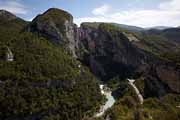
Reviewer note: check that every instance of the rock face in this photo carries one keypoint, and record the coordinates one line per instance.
(169, 75)
(7, 15)
(161, 79)
(57, 26)
(108, 52)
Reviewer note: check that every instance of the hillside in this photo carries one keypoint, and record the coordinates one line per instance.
(43, 79)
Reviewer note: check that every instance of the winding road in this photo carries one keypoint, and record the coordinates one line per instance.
(140, 97)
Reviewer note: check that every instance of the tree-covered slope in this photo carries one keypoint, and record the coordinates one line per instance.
(43, 81)
(160, 43)
(127, 108)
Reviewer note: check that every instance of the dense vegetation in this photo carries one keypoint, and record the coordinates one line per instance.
(160, 46)
(127, 106)
(43, 82)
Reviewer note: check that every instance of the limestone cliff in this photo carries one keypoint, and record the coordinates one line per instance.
(57, 26)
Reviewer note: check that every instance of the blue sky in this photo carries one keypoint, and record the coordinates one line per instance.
(144, 13)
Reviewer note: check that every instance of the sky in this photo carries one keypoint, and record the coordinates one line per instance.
(142, 13)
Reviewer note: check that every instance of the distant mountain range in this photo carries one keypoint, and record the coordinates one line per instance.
(131, 27)
(135, 28)
(160, 27)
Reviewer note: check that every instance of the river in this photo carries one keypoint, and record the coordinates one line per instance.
(109, 103)
(111, 100)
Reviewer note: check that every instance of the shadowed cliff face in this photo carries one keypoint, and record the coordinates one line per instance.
(162, 78)
(169, 75)
(109, 52)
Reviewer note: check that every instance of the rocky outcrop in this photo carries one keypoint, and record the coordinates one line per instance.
(169, 75)
(161, 79)
(57, 26)
(5, 15)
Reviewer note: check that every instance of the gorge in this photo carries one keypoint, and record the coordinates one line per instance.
(57, 67)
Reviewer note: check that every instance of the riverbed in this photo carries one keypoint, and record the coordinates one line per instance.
(111, 100)
(109, 103)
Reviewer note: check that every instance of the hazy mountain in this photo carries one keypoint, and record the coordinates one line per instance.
(129, 27)
(123, 26)
(160, 27)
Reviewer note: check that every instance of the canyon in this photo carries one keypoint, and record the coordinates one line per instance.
(65, 64)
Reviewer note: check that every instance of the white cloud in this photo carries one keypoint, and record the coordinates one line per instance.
(13, 6)
(167, 14)
(30, 19)
(170, 5)
(102, 10)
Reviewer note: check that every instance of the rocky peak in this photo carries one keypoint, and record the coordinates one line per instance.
(7, 16)
(58, 13)
(57, 26)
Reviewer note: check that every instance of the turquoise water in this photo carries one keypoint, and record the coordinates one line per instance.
(109, 103)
